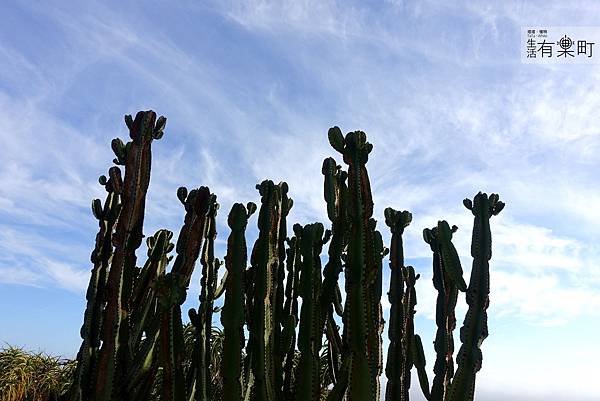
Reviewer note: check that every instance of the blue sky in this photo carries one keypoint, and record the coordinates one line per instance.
(250, 89)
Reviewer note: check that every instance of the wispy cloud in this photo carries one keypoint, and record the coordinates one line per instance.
(35, 260)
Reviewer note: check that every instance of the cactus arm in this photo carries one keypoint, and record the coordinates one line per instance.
(143, 297)
(475, 330)
(90, 330)
(338, 391)
(334, 348)
(419, 360)
(144, 360)
(191, 234)
(449, 255)
(221, 288)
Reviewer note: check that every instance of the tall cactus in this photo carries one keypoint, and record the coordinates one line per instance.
(279, 275)
(363, 381)
(146, 315)
(265, 261)
(140, 325)
(447, 280)
(336, 197)
(375, 312)
(311, 330)
(136, 157)
(90, 331)
(202, 320)
(200, 206)
(293, 266)
(232, 314)
(475, 328)
(398, 380)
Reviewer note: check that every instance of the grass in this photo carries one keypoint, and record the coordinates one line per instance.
(33, 376)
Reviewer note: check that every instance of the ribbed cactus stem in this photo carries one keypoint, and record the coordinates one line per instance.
(171, 290)
(144, 314)
(409, 303)
(203, 319)
(232, 315)
(375, 312)
(396, 388)
(90, 330)
(264, 260)
(192, 233)
(136, 156)
(475, 329)
(200, 207)
(279, 319)
(336, 196)
(293, 265)
(334, 348)
(310, 334)
(143, 296)
(447, 280)
(363, 383)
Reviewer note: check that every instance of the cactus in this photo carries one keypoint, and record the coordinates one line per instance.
(145, 316)
(475, 329)
(363, 381)
(447, 280)
(171, 290)
(375, 313)
(113, 355)
(279, 275)
(398, 379)
(311, 331)
(265, 261)
(140, 323)
(293, 265)
(202, 320)
(135, 346)
(232, 315)
(90, 331)
(336, 197)
(199, 205)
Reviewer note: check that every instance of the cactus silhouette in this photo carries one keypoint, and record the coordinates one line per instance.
(289, 331)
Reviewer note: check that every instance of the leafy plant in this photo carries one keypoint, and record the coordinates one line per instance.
(33, 376)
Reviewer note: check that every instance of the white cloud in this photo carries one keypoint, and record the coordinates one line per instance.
(18, 275)
(542, 299)
(306, 16)
(67, 276)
